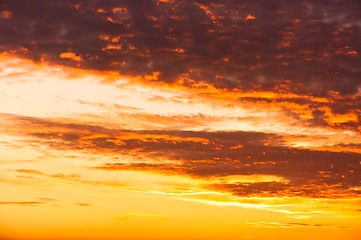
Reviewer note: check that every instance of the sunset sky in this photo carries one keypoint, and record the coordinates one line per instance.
(180, 119)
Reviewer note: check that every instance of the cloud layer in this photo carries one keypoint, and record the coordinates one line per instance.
(305, 48)
(209, 155)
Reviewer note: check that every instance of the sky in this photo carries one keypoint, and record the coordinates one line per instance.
(180, 119)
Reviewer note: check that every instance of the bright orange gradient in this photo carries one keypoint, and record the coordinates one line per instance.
(176, 119)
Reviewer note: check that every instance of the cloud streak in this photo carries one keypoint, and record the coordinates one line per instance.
(290, 225)
(209, 155)
(22, 203)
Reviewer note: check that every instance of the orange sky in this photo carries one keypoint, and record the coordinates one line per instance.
(179, 120)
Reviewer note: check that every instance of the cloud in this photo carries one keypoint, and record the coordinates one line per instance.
(70, 55)
(207, 155)
(28, 203)
(57, 175)
(30, 171)
(84, 204)
(22, 203)
(288, 225)
(302, 48)
(69, 177)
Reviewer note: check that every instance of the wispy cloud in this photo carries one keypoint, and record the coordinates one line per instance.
(289, 225)
(22, 203)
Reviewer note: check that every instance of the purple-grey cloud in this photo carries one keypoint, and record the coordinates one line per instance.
(304, 47)
(307, 47)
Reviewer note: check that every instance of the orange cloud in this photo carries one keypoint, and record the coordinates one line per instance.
(5, 14)
(30, 171)
(70, 55)
(335, 118)
(112, 47)
(250, 17)
(84, 204)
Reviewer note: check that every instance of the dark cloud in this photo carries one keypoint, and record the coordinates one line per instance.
(307, 47)
(210, 155)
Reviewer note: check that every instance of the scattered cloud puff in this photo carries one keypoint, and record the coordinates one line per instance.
(84, 204)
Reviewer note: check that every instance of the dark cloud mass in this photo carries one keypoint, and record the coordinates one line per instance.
(307, 47)
(208, 155)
